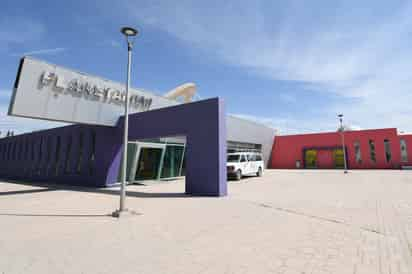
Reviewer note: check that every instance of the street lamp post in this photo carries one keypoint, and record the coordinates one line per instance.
(129, 33)
(343, 143)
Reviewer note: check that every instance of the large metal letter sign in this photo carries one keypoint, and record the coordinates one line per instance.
(50, 92)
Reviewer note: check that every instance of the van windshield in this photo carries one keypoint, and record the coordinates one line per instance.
(233, 158)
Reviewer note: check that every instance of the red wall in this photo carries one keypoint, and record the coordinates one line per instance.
(288, 149)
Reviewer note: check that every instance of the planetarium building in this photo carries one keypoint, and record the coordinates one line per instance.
(169, 136)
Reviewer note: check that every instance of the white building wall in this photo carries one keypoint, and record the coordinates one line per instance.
(242, 130)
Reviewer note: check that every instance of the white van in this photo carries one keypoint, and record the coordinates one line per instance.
(244, 163)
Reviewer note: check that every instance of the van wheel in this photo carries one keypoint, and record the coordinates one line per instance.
(260, 172)
(238, 175)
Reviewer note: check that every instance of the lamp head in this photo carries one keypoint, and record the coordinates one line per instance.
(128, 31)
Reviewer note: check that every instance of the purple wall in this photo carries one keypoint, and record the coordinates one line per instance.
(33, 156)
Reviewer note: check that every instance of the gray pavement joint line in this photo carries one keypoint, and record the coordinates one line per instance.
(294, 212)
(406, 248)
(380, 226)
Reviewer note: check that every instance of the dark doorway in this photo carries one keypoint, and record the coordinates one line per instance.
(149, 163)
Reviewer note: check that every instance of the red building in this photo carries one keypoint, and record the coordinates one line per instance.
(365, 149)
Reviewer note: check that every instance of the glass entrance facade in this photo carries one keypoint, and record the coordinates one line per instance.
(148, 163)
(154, 160)
(164, 158)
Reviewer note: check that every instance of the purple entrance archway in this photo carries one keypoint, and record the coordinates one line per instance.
(90, 155)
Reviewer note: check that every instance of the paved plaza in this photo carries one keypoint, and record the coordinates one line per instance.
(286, 222)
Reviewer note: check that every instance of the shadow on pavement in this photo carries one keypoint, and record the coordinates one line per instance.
(110, 190)
(54, 215)
(27, 191)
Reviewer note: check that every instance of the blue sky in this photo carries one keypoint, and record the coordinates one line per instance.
(291, 64)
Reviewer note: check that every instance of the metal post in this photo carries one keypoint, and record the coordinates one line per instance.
(126, 129)
(122, 208)
(343, 146)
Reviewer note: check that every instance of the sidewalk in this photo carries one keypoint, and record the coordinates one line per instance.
(286, 222)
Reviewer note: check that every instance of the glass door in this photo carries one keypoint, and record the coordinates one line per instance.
(311, 158)
(172, 162)
(338, 157)
(149, 161)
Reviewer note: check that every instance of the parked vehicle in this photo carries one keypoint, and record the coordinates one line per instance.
(244, 163)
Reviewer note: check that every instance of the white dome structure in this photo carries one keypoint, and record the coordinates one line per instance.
(187, 91)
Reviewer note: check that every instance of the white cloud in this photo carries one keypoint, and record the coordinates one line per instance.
(49, 51)
(363, 56)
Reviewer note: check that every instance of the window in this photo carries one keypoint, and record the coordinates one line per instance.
(387, 146)
(21, 149)
(9, 151)
(68, 151)
(26, 152)
(404, 151)
(41, 149)
(18, 149)
(243, 159)
(32, 150)
(358, 156)
(258, 157)
(57, 156)
(13, 152)
(92, 152)
(48, 152)
(233, 158)
(40, 155)
(372, 151)
(23, 152)
(80, 156)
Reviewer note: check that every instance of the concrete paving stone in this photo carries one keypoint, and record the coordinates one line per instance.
(289, 221)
